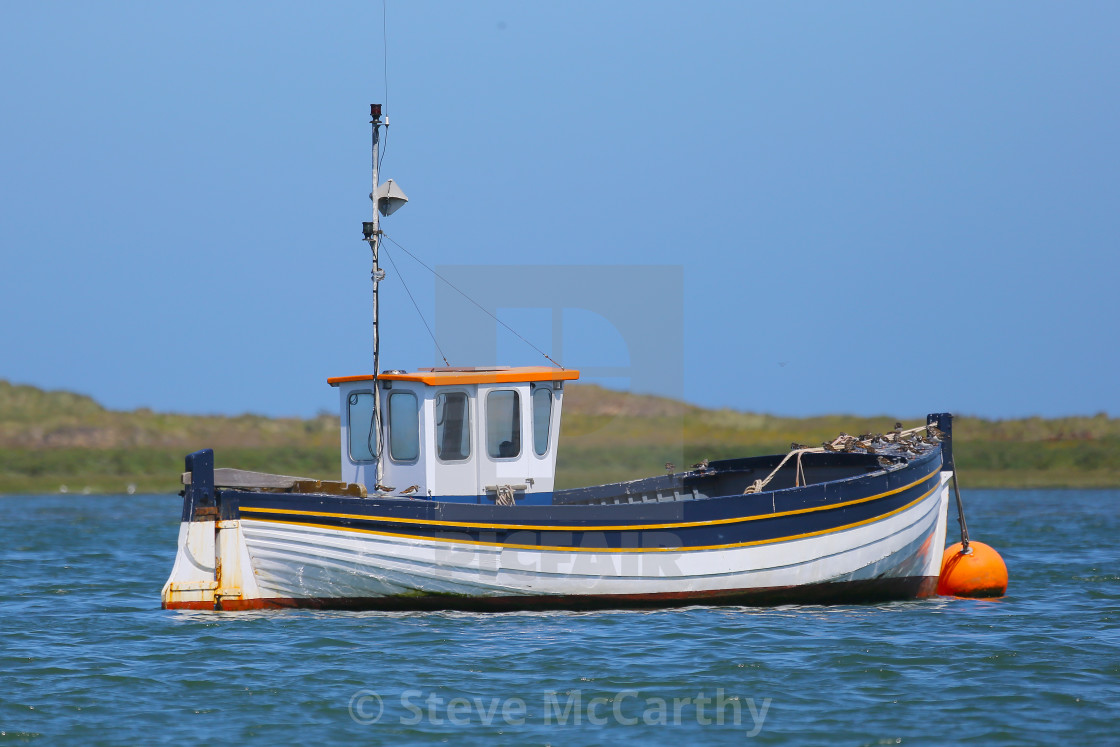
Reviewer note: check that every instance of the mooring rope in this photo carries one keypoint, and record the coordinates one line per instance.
(965, 549)
(758, 485)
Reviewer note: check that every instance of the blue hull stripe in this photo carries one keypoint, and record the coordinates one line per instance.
(712, 523)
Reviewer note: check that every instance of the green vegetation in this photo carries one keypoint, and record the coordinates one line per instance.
(54, 439)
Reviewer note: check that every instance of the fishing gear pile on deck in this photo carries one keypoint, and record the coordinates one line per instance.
(907, 441)
(904, 440)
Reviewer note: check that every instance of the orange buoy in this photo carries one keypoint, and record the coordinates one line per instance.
(979, 573)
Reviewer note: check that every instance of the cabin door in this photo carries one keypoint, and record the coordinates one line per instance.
(502, 430)
(456, 442)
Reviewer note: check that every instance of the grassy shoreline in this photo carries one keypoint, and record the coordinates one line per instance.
(53, 439)
(157, 471)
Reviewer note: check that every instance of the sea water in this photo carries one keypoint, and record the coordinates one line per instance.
(87, 655)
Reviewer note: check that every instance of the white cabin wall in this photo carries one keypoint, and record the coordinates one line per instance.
(348, 471)
(428, 440)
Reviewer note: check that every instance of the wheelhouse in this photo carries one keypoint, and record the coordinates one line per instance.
(474, 435)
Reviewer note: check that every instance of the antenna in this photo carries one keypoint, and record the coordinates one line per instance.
(387, 198)
(371, 231)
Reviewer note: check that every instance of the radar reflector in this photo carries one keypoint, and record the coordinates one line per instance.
(390, 197)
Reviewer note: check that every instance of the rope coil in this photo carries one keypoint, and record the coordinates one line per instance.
(505, 496)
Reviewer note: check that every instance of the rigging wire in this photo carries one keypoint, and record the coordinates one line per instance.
(384, 146)
(417, 307)
(476, 303)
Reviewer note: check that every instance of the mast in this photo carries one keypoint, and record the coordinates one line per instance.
(371, 231)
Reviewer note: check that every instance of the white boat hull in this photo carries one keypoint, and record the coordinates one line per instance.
(272, 563)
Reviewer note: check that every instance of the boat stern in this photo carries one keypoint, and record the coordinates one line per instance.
(212, 567)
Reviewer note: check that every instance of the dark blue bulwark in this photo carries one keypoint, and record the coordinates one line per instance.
(200, 493)
(944, 422)
(728, 520)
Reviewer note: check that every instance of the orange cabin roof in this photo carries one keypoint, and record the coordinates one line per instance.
(446, 376)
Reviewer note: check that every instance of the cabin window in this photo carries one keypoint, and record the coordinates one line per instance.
(453, 426)
(542, 418)
(503, 424)
(404, 426)
(363, 436)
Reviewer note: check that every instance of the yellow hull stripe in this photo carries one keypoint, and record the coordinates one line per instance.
(591, 528)
(560, 548)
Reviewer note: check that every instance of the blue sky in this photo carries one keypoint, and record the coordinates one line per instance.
(874, 208)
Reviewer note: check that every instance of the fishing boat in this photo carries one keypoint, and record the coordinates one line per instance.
(447, 500)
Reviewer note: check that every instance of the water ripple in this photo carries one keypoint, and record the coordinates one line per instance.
(88, 656)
